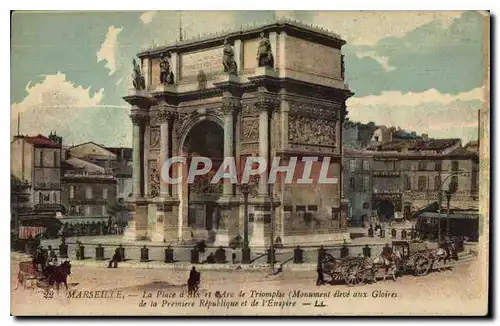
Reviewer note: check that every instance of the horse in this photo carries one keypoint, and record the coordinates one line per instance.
(57, 274)
(444, 253)
(388, 262)
(193, 284)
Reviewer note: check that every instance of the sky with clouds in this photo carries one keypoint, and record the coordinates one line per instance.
(422, 71)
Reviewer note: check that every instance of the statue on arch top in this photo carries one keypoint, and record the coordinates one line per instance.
(166, 75)
(264, 54)
(137, 77)
(228, 60)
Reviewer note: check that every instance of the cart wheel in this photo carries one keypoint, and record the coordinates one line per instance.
(355, 275)
(422, 265)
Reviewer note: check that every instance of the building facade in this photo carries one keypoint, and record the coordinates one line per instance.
(96, 179)
(36, 162)
(358, 185)
(267, 91)
(410, 174)
(89, 191)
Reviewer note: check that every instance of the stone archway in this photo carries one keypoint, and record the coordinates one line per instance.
(203, 138)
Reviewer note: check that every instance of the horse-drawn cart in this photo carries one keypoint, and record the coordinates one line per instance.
(28, 274)
(350, 269)
(415, 257)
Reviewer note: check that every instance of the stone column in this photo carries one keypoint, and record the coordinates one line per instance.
(273, 39)
(228, 107)
(263, 107)
(165, 117)
(282, 54)
(174, 63)
(137, 120)
(238, 54)
(146, 64)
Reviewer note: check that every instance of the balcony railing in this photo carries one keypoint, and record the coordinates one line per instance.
(51, 206)
(92, 175)
(48, 185)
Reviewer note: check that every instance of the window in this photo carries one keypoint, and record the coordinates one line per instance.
(454, 166)
(55, 159)
(422, 165)
(88, 192)
(312, 208)
(366, 205)
(104, 210)
(54, 197)
(300, 208)
(105, 193)
(437, 182)
(40, 198)
(41, 157)
(71, 192)
(288, 208)
(366, 183)
(422, 183)
(352, 184)
(352, 165)
(437, 166)
(366, 165)
(88, 210)
(407, 182)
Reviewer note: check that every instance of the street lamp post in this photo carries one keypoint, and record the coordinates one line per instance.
(245, 190)
(448, 198)
(272, 230)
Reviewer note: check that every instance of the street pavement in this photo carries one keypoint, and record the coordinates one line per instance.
(459, 291)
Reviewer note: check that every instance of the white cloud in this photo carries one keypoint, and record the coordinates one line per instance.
(147, 17)
(108, 49)
(51, 101)
(414, 99)
(438, 114)
(367, 28)
(383, 61)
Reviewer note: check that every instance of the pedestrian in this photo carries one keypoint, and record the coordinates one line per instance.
(320, 280)
(201, 249)
(117, 257)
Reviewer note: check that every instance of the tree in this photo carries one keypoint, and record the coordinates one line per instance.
(118, 210)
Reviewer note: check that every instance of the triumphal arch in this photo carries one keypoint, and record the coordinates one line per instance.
(275, 90)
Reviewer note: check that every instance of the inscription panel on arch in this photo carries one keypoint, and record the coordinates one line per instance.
(210, 61)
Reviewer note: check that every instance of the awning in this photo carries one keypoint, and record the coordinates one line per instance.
(461, 216)
(432, 207)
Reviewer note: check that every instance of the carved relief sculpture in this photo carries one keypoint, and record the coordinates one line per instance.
(228, 61)
(166, 75)
(202, 80)
(311, 131)
(250, 130)
(154, 179)
(137, 77)
(264, 54)
(154, 137)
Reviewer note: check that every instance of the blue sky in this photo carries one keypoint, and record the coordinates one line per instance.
(418, 70)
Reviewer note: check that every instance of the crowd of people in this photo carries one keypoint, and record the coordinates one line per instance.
(92, 228)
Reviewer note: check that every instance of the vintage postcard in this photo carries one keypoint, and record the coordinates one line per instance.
(250, 163)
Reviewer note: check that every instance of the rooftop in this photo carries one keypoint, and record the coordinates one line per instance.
(39, 140)
(247, 29)
(416, 144)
